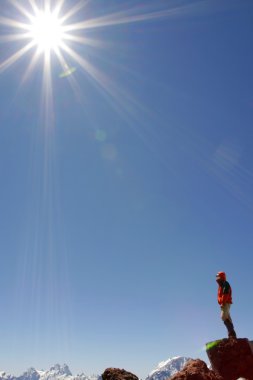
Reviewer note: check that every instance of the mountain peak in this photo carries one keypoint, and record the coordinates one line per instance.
(31, 370)
(30, 374)
(4, 375)
(58, 369)
(168, 368)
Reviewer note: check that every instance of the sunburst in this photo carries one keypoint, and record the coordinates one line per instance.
(45, 28)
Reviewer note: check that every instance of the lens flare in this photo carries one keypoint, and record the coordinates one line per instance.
(211, 345)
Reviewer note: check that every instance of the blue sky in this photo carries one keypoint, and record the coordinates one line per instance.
(124, 193)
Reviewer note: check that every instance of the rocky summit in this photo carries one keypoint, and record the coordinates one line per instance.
(231, 358)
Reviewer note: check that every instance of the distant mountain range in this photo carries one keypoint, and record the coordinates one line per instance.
(164, 371)
(57, 372)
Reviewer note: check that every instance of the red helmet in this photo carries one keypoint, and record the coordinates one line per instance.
(221, 276)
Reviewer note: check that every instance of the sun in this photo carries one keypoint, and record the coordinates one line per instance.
(57, 33)
(47, 28)
(46, 31)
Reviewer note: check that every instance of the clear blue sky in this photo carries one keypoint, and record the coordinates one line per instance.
(125, 191)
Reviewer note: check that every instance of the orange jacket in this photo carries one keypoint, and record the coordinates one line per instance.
(224, 293)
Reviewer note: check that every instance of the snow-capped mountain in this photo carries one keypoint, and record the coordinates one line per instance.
(57, 372)
(168, 368)
(5, 376)
(30, 374)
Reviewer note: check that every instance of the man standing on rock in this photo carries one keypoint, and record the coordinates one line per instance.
(225, 301)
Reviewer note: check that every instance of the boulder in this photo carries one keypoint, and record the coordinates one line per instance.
(231, 358)
(196, 370)
(118, 374)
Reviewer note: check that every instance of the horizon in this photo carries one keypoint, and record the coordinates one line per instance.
(126, 179)
(159, 367)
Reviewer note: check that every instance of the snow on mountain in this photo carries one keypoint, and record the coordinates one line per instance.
(30, 374)
(82, 376)
(5, 376)
(168, 368)
(57, 372)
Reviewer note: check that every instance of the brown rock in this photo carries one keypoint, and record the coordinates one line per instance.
(231, 358)
(196, 370)
(118, 374)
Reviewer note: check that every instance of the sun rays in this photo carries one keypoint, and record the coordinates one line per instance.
(53, 27)
(57, 39)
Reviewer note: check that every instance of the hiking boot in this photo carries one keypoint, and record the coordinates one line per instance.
(230, 327)
(232, 334)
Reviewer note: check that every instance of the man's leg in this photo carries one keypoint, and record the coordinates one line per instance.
(225, 316)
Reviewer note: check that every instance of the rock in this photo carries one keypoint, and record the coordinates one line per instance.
(196, 370)
(118, 374)
(231, 358)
